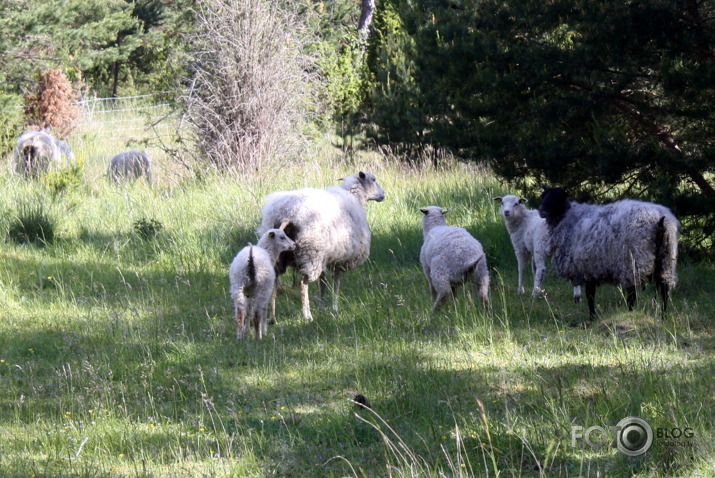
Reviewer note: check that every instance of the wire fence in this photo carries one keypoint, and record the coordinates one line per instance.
(136, 117)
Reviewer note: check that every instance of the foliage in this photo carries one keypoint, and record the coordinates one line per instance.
(250, 88)
(147, 228)
(52, 105)
(546, 92)
(11, 121)
(58, 181)
(33, 223)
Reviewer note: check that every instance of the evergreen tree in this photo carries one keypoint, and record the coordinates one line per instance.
(607, 98)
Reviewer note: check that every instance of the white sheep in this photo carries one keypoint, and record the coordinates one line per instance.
(530, 237)
(253, 278)
(130, 165)
(35, 153)
(65, 151)
(626, 243)
(450, 256)
(329, 227)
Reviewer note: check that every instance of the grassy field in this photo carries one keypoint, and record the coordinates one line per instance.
(118, 354)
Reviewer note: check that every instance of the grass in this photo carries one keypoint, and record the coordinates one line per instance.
(118, 354)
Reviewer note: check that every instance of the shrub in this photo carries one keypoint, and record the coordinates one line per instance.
(64, 179)
(51, 106)
(34, 224)
(147, 228)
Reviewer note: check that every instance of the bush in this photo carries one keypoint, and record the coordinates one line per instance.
(51, 106)
(147, 228)
(34, 224)
(64, 179)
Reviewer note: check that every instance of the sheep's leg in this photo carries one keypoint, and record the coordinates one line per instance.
(538, 267)
(272, 320)
(441, 299)
(260, 322)
(240, 320)
(240, 314)
(336, 289)
(662, 288)
(591, 298)
(577, 294)
(521, 258)
(305, 298)
(444, 292)
(631, 297)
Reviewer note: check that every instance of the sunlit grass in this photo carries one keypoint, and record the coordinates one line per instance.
(118, 355)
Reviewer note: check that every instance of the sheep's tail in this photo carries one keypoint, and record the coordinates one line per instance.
(666, 257)
(251, 266)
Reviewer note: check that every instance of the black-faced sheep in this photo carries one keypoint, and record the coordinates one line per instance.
(252, 277)
(35, 153)
(450, 256)
(529, 235)
(130, 165)
(329, 227)
(626, 243)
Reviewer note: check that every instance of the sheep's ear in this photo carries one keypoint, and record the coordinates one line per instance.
(445, 211)
(424, 210)
(523, 200)
(284, 224)
(361, 175)
(271, 234)
(498, 198)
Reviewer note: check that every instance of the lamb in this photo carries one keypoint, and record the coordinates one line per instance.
(329, 227)
(626, 243)
(450, 256)
(252, 277)
(529, 236)
(35, 153)
(130, 165)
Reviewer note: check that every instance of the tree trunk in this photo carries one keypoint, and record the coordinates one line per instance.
(366, 11)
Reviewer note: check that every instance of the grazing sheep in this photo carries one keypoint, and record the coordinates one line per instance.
(530, 237)
(329, 227)
(130, 165)
(35, 153)
(450, 256)
(65, 151)
(626, 243)
(252, 276)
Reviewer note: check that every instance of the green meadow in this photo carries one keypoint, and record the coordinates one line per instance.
(118, 355)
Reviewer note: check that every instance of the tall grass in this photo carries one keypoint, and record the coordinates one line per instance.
(118, 358)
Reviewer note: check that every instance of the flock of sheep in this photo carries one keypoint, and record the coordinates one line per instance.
(626, 243)
(314, 231)
(37, 152)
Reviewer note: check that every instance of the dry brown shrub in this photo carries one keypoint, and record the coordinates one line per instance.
(250, 91)
(52, 106)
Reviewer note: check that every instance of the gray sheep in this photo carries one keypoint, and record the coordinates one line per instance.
(626, 243)
(35, 153)
(450, 256)
(329, 227)
(252, 277)
(130, 165)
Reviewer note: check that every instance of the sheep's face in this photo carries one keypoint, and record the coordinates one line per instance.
(373, 191)
(554, 204)
(281, 241)
(511, 206)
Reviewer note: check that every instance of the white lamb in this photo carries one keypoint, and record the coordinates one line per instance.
(130, 165)
(450, 256)
(35, 153)
(252, 277)
(329, 227)
(626, 243)
(530, 237)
